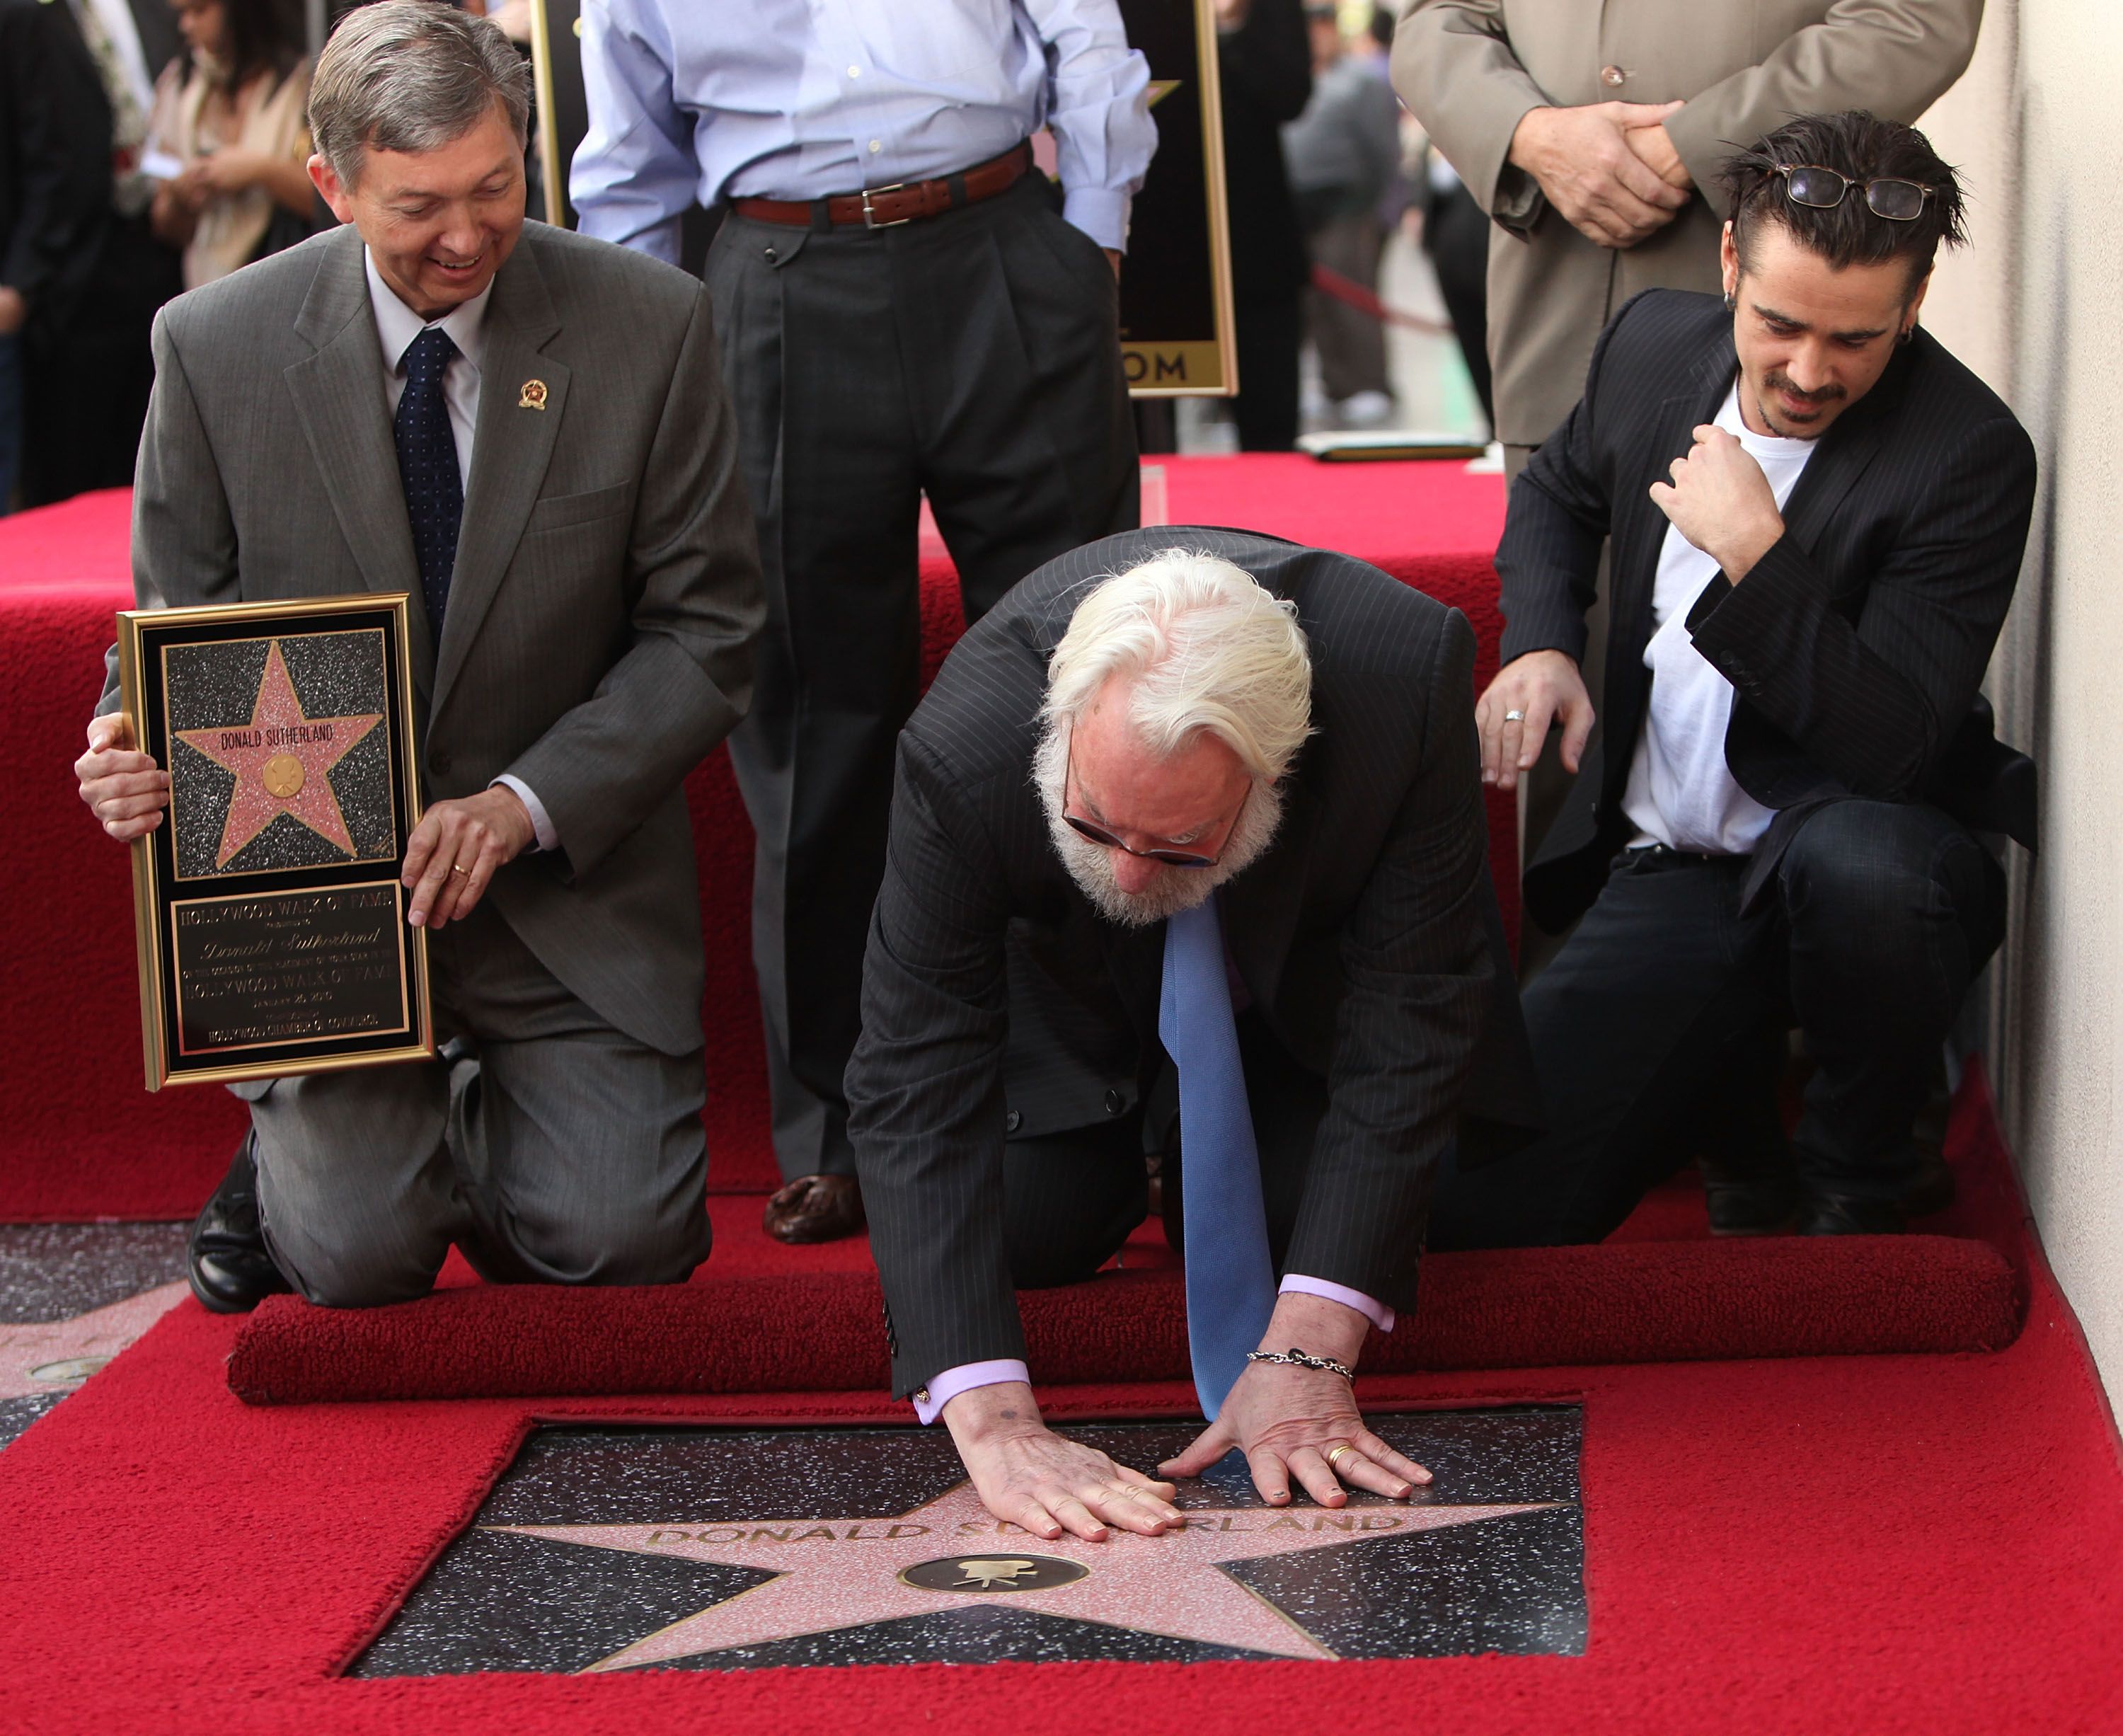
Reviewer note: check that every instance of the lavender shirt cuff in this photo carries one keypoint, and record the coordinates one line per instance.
(929, 1402)
(1101, 212)
(542, 822)
(1376, 1312)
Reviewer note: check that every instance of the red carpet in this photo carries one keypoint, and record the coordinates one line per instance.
(1912, 1545)
(1514, 1308)
(1660, 1291)
(80, 1138)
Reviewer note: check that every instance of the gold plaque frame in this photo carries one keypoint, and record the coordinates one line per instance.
(160, 894)
(552, 169)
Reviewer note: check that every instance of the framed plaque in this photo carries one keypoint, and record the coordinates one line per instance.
(1177, 336)
(270, 921)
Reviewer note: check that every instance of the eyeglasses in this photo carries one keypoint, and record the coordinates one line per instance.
(1170, 858)
(1823, 189)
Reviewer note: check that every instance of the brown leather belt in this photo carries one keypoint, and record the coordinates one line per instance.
(883, 208)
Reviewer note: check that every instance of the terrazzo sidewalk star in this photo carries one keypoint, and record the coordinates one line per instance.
(283, 762)
(950, 1552)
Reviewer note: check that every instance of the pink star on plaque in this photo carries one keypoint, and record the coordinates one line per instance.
(850, 1573)
(283, 760)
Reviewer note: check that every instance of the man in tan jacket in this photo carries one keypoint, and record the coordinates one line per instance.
(1592, 135)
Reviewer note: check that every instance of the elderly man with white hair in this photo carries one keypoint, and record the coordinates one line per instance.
(1190, 803)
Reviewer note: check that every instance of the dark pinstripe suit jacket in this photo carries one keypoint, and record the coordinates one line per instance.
(1367, 935)
(1856, 645)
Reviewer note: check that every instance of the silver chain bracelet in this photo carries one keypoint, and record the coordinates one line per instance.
(1297, 1358)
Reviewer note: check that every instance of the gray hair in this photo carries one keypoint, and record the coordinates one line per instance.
(411, 75)
(1201, 645)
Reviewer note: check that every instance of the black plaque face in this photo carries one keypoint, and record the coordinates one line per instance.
(288, 967)
(1175, 295)
(273, 931)
(620, 1549)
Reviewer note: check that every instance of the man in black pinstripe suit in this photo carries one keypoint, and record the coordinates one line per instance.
(1817, 517)
(1285, 733)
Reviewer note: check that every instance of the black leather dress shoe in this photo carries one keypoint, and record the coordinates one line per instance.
(1744, 1205)
(816, 1208)
(230, 1270)
(1761, 1199)
(1765, 1204)
(1845, 1214)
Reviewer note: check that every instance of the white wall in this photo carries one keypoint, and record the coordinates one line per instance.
(2035, 306)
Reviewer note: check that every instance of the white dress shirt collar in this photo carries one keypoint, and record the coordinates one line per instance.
(397, 324)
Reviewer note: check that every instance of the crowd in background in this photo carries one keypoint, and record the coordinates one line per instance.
(146, 146)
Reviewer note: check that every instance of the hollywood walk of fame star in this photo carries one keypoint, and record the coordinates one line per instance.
(283, 762)
(850, 1573)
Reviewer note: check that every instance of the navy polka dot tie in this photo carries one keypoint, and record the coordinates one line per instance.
(427, 468)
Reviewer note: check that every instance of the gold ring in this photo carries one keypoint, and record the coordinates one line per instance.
(1336, 1452)
(454, 869)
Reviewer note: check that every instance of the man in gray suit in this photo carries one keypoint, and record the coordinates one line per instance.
(563, 504)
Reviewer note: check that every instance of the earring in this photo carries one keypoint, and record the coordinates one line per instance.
(1908, 334)
(1731, 302)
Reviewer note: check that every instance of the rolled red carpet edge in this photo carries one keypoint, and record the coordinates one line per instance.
(1511, 1308)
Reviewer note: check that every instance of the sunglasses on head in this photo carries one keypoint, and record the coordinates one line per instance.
(1823, 189)
(1169, 858)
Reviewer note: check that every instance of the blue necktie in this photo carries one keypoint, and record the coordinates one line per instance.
(427, 469)
(1231, 1280)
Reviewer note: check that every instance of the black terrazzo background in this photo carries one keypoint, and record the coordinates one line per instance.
(54, 1271)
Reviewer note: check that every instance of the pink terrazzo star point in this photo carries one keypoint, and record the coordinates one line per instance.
(848, 1572)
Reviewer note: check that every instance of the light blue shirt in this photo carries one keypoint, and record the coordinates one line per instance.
(712, 100)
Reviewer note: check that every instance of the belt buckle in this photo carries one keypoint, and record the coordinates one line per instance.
(870, 219)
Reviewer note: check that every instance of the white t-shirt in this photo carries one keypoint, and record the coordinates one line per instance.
(1681, 792)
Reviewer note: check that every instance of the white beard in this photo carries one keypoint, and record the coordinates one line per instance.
(1173, 890)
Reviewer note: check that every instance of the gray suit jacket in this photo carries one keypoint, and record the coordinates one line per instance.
(606, 587)
(1470, 69)
(996, 1000)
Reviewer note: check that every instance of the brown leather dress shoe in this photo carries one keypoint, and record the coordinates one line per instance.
(816, 1208)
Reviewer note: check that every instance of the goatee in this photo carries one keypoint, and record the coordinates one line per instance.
(1172, 889)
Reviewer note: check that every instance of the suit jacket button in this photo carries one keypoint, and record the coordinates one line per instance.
(1613, 77)
(439, 759)
(1115, 1103)
(1013, 1121)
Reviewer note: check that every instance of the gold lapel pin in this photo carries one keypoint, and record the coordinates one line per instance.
(534, 396)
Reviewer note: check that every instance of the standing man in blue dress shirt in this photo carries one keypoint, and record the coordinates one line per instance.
(904, 307)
